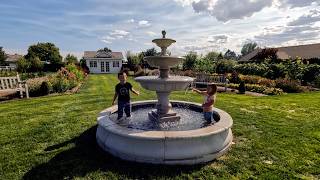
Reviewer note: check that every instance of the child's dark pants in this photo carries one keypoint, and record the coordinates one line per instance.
(126, 106)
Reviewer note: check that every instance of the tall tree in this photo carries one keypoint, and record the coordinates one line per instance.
(46, 52)
(190, 61)
(106, 49)
(212, 56)
(3, 56)
(71, 59)
(150, 52)
(269, 54)
(248, 48)
(230, 55)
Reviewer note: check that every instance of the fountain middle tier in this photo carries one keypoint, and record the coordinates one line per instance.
(163, 62)
(172, 83)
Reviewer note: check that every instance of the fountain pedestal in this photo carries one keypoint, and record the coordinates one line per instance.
(163, 110)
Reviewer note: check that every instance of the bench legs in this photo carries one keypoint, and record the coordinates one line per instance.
(27, 90)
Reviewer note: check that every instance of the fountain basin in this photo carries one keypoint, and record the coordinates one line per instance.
(173, 83)
(164, 147)
(164, 62)
(163, 42)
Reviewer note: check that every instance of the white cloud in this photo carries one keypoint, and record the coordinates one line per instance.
(186, 2)
(219, 39)
(119, 33)
(298, 3)
(308, 19)
(225, 10)
(144, 23)
(131, 21)
(108, 37)
(151, 33)
(106, 41)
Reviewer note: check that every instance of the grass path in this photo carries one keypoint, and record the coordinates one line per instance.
(53, 137)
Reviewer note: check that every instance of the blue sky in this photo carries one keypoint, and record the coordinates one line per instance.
(130, 25)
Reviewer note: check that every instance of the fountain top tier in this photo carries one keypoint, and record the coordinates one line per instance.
(163, 61)
(163, 43)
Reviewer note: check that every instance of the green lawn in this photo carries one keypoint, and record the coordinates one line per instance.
(53, 137)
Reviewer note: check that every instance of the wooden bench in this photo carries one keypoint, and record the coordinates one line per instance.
(11, 85)
(203, 79)
(7, 68)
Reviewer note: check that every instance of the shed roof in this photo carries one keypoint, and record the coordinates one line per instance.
(97, 54)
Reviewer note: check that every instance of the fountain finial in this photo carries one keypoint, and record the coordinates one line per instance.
(163, 33)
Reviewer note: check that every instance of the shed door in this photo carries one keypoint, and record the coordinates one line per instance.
(102, 66)
(107, 67)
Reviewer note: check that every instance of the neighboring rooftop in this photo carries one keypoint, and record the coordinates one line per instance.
(308, 51)
(13, 58)
(103, 54)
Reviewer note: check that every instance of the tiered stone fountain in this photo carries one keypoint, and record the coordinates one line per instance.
(164, 136)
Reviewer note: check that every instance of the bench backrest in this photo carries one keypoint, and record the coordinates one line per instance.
(218, 78)
(9, 82)
(7, 68)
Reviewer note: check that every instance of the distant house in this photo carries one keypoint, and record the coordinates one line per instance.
(309, 51)
(103, 62)
(12, 60)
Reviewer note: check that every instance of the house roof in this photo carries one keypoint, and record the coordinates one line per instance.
(304, 51)
(13, 57)
(96, 54)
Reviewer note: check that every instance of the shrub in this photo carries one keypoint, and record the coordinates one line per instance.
(225, 66)
(311, 72)
(5, 73)
(317, 81)
(59, 84)
(189, 73)
(242, 87)
(64, 80)
(258, 89)
(35, 85)
(276, 71)
(289, 86)
(205, 65)
(234, 77)
(72, 68)
(45, 88)
(249, 79)
(273, 91)
(267, 82)
(255, 88)
(252, 69)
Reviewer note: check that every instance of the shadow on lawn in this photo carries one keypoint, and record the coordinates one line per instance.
(87, 157)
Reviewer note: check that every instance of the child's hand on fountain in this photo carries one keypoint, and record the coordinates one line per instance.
(135, 92)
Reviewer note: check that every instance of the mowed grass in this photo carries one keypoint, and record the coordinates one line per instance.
(53, 137)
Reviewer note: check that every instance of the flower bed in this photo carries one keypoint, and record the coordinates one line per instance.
(65, 79)
(258, 89)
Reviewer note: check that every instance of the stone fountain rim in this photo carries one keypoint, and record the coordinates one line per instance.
(170, 79)
(104, 121)
(161, 39)
(158, 58)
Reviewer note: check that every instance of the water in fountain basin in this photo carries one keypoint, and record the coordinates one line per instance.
(190, 119)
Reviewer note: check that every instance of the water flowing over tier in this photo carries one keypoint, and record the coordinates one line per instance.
(164, 62)
(163, 42)
(173, 83)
